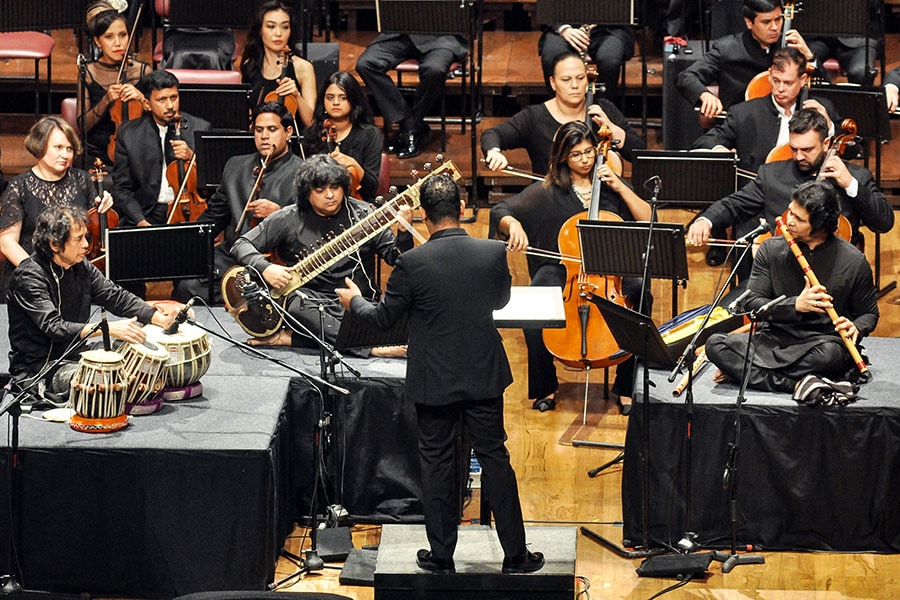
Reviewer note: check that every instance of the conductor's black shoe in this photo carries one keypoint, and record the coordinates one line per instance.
(529, 563)
(715, 255)
(415, 142)
(624, 409)
(544, 404)
(426, 560)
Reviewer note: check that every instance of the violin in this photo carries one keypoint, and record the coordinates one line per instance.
(98, 222)
(121, 111)
(289, 102)
(329, 136)
(586, 341)
(188, 205)
(258, 172)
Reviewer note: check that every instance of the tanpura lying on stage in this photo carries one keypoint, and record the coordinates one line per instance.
(260, 319)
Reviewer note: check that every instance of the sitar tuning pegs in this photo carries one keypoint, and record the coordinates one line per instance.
(414, 173)
(428, 167)
(439, 159)
(379, 200)
(392, 191)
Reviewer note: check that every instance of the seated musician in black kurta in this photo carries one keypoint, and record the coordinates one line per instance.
(324, 208)
(798, 338)
(534, 218)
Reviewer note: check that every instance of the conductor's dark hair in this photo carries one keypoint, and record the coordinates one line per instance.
(276, 108)
(783, 57)
(157, 80)
(567, 137)
(821, 202)
(319, 171)
(754, 7)
(252, 57)
(808, 119)
(440, 199)
(54, 226)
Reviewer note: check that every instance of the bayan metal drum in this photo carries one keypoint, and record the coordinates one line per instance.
(97, 392)
(189, 354)
(145, 372)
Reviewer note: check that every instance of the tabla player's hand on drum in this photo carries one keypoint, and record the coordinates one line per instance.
(127, 330)
(165, 316)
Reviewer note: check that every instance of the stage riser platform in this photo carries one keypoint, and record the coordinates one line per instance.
(478, 561)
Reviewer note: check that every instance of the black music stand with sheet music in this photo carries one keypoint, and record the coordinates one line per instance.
(213, 149)
(867, 106)
(355, 334)
(636, 334)
(226, 106)
(689, 179)
(445, 17)
(617, 248)
(160, 253)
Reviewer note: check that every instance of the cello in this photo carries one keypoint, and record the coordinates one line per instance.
(188, 205)
(586, 341)
(98, 222)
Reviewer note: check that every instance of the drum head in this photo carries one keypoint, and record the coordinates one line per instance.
(102, 356)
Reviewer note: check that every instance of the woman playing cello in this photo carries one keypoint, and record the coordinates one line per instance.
(533, 218)
(270, 70)
(343, 127)
(101, 88)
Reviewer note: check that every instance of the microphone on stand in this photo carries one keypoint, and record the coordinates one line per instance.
(180, 318)
(733, 307)
(763, 227)
(104, 328)
(756, 314)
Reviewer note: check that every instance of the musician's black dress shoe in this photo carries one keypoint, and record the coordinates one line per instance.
(426, 560)
(397, 142)
(529, 563)
(715, 255)
(415, 142)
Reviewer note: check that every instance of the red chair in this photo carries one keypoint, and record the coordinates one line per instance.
(206, 76)
(30, 45)
(384, 175)
(69, 112)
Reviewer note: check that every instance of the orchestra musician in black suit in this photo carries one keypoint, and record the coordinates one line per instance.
(435, 55)
(145, 147)
(457, 370)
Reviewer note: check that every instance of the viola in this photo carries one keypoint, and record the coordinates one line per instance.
(329, 136)
(289, 102)
(97, 222)
(121, 111)
(188, 204)
(586, 341)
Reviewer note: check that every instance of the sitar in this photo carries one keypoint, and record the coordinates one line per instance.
(260, 319)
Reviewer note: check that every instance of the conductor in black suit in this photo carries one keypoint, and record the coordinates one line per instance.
(457, 370)
(143, 196)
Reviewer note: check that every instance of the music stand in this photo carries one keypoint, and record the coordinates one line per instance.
(617, 248)
(213, 149)
(355, 334)
(865, 105)
(690, 179)
(164, 252)
(226, 106)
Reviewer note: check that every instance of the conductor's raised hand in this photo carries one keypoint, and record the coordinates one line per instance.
(346, 294)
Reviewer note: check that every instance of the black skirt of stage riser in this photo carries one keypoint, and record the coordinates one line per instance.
(478, 559)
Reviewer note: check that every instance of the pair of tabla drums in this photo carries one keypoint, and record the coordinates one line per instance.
(137, 378)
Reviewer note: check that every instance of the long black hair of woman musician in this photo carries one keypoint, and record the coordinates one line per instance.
(360, 111)
(254, 51)
(567, 137)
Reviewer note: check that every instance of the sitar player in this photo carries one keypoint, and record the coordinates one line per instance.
(323, 208)
(533, 219)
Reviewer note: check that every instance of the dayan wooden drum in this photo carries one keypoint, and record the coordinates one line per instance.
(97, 392)
(145, 372)
(189, 353)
